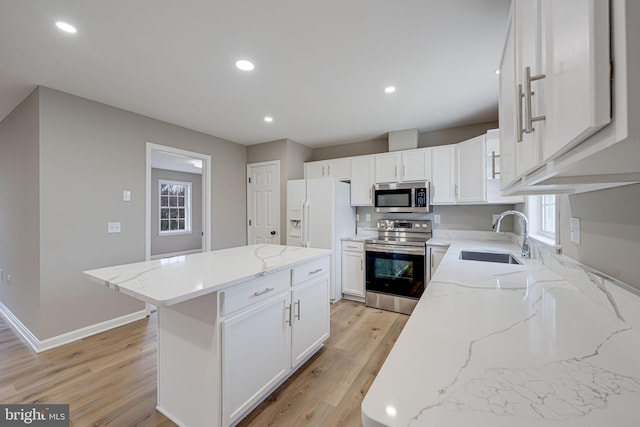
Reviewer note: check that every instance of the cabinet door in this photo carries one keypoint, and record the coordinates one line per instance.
(528, 54)
(416, 165)
(509, 105)
(493, 170)
(353, 273)
(313, 170)
(577, 70)
(362, 181)
(310, 305)
(471, 170)
(443, 169)
(256, 354)
(338, 169)
(387, 168)
(436, 253)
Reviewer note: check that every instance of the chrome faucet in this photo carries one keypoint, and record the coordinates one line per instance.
(525, 243)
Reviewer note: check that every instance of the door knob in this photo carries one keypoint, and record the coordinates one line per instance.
(273, 233)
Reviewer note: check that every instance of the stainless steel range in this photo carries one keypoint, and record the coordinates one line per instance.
(395, 272)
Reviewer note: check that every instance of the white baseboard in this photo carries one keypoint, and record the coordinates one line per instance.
(68, 337)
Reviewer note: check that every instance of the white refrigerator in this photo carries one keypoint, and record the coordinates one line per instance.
(319, 214)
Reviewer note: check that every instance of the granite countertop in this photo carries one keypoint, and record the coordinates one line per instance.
(169, 281)
(508, 345)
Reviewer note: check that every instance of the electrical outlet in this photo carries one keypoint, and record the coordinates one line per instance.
(357, 217)
(436, 219)
(367, 217)
(126, 195)
(574, 230)
(113, 227)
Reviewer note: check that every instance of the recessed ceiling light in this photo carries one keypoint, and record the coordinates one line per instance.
(67, 28)
(268, 119)
(390, 89)
(245, 65)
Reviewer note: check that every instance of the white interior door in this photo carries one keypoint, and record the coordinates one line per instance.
(263, 202)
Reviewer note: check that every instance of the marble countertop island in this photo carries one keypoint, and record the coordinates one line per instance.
(509, 345)
(173, 280)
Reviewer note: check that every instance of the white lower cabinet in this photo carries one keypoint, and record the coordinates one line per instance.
(310, 318)
(353, 269)
(256, 355)
(435, 253)
(264, 342)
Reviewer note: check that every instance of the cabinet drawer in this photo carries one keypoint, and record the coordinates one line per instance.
(351, 246)
(257, 290)
(310, 269)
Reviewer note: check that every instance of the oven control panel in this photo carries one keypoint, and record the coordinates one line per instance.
(420, 226)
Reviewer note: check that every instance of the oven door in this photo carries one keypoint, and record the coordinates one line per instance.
(395, 270)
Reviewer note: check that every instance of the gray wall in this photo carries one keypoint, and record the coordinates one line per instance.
(172, 243)
(461, 217)
(19, 212)
(610, 231)
(292, 156)
(90, 153)
(425, 139)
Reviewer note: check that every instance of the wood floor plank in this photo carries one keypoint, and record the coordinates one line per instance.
(109, 379)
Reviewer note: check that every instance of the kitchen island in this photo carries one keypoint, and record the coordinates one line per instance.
(233, 324)
(511, 345)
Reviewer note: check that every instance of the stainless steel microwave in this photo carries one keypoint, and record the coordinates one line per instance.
(412, 197)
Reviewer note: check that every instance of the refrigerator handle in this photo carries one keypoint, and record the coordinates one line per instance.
(302, 222)
(305, 224)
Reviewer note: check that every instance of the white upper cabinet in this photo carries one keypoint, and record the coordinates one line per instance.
(403, 166)
(559, 119)
(335, 168)
(577, 72)
(443, 185)
(387, 167)
(493, 169)
(470, 168)
(416, 165)
(362, 180)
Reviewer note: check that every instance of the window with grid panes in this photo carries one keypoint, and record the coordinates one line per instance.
(175, 207)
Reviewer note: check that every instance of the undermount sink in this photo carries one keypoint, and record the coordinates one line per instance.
(499, 257)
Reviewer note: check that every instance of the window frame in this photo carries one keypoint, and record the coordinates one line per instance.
(536, 215)
(187, 208)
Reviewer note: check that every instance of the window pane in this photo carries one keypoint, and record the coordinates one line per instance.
(164, 201)
(180, 201)
(181, 224)
(181, 213)
(164, 213)
(173, 224)
(173, 201)
(164, 225)
(180, 190)
(164, 189)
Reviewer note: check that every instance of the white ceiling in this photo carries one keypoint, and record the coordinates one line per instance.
(321, 66)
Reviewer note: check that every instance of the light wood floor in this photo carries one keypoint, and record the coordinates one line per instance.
(110, 378)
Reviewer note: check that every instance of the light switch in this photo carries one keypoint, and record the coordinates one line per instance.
(113, 227)
(436, 219)
(574, 230)
(357, 217)
(367, 217)
(126, 195)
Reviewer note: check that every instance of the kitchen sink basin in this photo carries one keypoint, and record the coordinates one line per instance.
(502, 258)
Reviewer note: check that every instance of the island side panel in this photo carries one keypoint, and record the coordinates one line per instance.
(189, 362)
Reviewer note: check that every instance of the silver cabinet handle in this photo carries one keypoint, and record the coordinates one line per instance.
(403, 171)
(352, 247)
(369, 194)
(395, 170)
(287, 315)
(328, 170)
(494, 156)
(360, 264)
(314, 272)
(527, 96)
(322, 170)
(520, 128)
(257, 294)
(297, 316)
(455, 189)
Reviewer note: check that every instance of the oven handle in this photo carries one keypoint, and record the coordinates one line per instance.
(395, 249)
